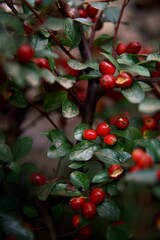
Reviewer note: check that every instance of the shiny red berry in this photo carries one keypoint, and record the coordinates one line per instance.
(110, 139)
(76, 203)
(158, 66)
(121, 48)
(155, 73)
(85, 233)
(137, 154)
(97, 195)
(107, 82)
(91, 11)
(25, 53)
(115, 171)
(124, 80)
(102, 129)
(89, 210)
(150, 123)
(106, 68)
(42, 63)
(76, 221)
(38, 179)
(82, 13)
(146, 161)
(133, 47)
(89, 134)
(122, 123)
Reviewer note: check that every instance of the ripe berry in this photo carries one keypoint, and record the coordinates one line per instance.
(107, 82)
(42, 63)
(97, 195)
(150, 123)
(137, 154)
(121, 48)
(115, 171)
(89, 210)
(85, 233)
(91, 11)
(124, 80)
(82, 13)
(146, 161)
(158, 66)
(25, 53)
(110, 139)
(155, 73)
(102, 129)
(76, 203)
(38, 179)
(122, 123)
(76, 221)
(133, 47)
(89, 134)
(106, 68)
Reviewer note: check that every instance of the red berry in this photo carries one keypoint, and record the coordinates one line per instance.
(97, 195)
(89, 210)
(25, 53)
(122, 123)
(27, 28)
(134, 168)
(38, 179)
(76, 221)
(82, 13)
(133, 47)
(155, 73)
(85, 233)
(110, 139)
(150, 123)
(89, 134)
(115, 171)
(91, 11)
(102, 129)
(158, 66)
(137, 154)
(146, 161)
(42, 63)
(124, 80)
(106, 68)
(76, 203)
(121, 48)
(107, 82)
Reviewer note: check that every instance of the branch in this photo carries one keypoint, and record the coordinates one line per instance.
(11, 6)
(33, 11)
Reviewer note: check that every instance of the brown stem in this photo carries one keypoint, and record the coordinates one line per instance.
(125, 2)
(11, 6)
(33, 11)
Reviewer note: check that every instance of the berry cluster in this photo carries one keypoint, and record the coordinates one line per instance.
(133, 47)
(156, 72)
(89, 11)
(85, 208)
(141, 159)
(150, 123)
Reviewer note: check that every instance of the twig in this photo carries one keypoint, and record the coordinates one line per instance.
(11, 6)
(33, 11)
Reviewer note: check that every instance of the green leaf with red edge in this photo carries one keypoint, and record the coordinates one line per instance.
(69, 109)
(100, 177)
(62, 189)
(80, 180)
(110, 157)
(134, 94)
(54, 100)
(83, 151)
(79, 129)
(109, 210)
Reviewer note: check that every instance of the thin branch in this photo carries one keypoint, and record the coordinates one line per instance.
(11, 6)
(33, 11)
(125, 2)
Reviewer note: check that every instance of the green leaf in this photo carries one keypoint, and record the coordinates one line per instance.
(58, 152)
(61, 189)
(149, 105)
(76, 165)
(83, 151)
(131, 133)
(57, 211)
(5, 153)
(100, 177)
(18, 99)
(140, 70)
(76, 65)
(111, 14)
(44, 191)
(46, 53)
(22, 147)
(117, 232)
(127, 59)
(15, 167)
(66, 82)
(30, 211)
(147, 176)
(110, 157)
(54, 23)
(109, 210)
(56, 136)
(47, 75)
(29, 167)
(69, 109)
(134, 94)
(78, 131)
(94, 74)
(53, 101)
(112, 60)
(99, 5)
(72, 33)
(153, 57)
(11, 226)
(84, 21)
(79, 180)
